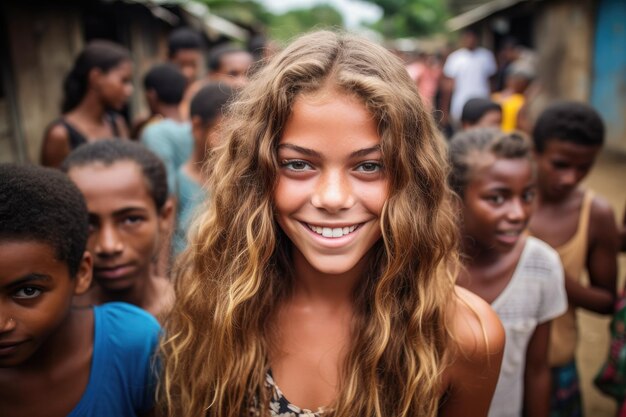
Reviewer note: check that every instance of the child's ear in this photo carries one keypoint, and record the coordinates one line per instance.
(84, 274)
(94, 76)
(166, 216)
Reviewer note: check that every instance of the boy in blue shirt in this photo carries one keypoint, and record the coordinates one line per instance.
(56, 360)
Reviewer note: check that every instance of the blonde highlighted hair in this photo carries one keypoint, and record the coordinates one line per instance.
(237, 269)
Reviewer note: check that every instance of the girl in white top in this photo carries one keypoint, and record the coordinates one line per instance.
(520, 276)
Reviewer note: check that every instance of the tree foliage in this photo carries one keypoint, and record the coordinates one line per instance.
(410, 18)
(287, 25)
(282, 27)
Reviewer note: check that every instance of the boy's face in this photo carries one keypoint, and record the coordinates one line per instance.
(35, 297)
(207, 136)
(234, 69)
(562, 166)
(123, 220)
(189, 61)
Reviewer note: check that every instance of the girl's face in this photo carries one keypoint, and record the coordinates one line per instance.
(115, 85)
(124, 224)
(331, 185)
(498, 202)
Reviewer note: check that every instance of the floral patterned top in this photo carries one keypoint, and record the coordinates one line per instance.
(280, 407)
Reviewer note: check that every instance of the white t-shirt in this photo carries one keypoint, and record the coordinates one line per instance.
(535, 295)
(470, 70)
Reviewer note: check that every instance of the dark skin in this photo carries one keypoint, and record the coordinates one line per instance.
(562, 166)
(47, 372)
(53, 365)
(499, 198)
(125, 232)
(623, 233)
(106, 90)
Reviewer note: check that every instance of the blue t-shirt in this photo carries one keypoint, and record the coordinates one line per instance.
(122, 380)
(172, 142)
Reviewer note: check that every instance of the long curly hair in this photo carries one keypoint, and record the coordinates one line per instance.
(238, 270)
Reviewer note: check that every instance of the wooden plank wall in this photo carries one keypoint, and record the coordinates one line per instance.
(43, 42)
(564, 39)
(148, 45)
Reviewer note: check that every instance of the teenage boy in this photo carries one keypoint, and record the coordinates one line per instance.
(580, 226)
(56, 360)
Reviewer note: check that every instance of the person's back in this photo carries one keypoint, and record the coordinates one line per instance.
(470, 69)
(579, 225)
(56, 360)
(206, 110)
(170, 137)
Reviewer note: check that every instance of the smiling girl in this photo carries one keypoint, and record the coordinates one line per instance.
(320, 278)
(96, 88)
(521, 277)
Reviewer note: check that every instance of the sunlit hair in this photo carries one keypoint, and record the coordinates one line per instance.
(237, 270)
(468, 148)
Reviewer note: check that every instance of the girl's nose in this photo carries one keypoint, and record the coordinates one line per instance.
(333, 192)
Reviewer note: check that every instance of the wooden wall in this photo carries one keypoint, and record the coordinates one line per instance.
(43, 42)
(563, 35)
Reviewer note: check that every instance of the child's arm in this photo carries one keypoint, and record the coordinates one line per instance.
(602, 257)
(623, 232)
(537, 377)
(55, 146)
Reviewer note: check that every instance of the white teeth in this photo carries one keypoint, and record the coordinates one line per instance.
(332, 232)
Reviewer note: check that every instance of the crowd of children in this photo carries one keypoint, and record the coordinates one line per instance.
(308, 228)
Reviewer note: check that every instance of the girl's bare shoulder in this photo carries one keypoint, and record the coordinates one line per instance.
(474, 326)
(475, 357)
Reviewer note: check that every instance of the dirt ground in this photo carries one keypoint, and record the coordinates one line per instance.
(607, 179)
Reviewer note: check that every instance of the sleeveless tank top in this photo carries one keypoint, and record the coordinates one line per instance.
(573, 253)
(77, 138)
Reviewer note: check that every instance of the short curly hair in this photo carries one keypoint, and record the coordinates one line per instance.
(43, 205)
(467, 149)
(183, 38)
(107, 152)
(569, 121)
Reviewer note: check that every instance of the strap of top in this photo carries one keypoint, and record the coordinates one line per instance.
(76, 138)
(574, 252)
(110, 117)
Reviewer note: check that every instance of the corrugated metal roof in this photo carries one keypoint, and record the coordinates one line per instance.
(479, 13)
(211, 23)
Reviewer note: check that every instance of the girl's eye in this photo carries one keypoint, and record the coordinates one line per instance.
(496, 199)
(369, 167)
(529, 196)
(296, 165)
(26, 293)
